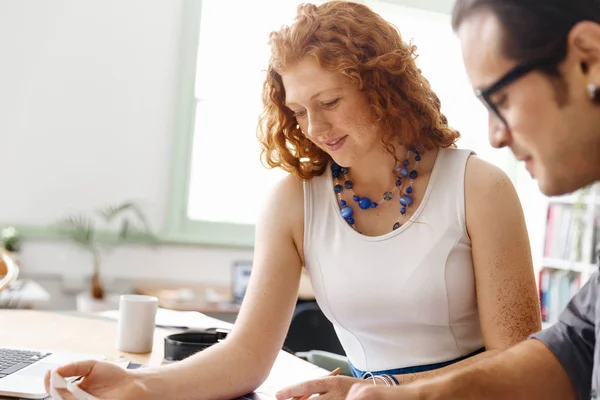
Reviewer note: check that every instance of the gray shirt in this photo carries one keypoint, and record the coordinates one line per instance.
(573, 339)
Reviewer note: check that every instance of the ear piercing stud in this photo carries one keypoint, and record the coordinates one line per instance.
(593, 91)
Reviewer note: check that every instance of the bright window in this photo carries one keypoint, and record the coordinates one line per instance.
(228, 183)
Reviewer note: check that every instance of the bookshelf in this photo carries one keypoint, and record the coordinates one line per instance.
(572, 227)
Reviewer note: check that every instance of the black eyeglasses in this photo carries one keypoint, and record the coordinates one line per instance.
(515, 73)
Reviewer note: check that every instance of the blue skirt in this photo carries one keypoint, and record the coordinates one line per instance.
(412, 370)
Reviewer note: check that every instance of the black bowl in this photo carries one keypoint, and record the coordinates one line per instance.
(179, 346)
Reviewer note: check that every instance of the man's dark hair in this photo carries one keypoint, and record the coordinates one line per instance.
(534, 30)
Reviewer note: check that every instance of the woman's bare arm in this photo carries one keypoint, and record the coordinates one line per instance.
(507, 297)
(240, 364)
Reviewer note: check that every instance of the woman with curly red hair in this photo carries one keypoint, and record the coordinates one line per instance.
(417, 251)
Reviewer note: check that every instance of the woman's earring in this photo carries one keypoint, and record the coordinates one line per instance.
(593, 92)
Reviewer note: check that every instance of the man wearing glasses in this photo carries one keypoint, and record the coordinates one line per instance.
(535, 64)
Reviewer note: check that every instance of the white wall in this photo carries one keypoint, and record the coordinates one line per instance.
(87, 107)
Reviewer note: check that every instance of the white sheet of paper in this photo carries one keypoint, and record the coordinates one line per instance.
(288, 371)
(179, 319)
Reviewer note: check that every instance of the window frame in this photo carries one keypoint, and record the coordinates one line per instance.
(178, 227)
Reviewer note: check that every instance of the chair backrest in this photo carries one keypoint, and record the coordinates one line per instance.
(12, 269)
(311, 330)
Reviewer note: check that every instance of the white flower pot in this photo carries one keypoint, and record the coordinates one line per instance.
(86, 303)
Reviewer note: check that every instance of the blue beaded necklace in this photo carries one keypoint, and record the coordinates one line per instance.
(364, 203)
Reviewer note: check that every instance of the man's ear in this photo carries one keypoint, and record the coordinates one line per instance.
(583, 49)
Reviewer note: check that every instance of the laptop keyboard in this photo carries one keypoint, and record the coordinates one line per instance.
(12, 360)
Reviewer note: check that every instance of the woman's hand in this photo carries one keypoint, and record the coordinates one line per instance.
(101, 379)
(364, 392)
(329, 387)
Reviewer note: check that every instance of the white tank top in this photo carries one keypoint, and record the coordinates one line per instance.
(406, 298)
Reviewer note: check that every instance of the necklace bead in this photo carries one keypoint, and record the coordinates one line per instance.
(406, 200)
(347, 212)
(365, 203)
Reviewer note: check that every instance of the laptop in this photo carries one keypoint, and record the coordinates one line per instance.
(22, 370)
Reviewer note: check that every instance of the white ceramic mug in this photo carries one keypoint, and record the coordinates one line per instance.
(137, 316)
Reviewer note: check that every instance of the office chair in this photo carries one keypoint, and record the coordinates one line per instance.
(311, 336)
(9, 268)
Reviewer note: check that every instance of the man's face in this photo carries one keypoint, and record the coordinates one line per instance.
(556, 133)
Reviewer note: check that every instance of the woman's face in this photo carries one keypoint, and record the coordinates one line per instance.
(554, 128)
(331, 111)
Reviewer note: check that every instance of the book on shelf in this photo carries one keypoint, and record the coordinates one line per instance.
(565, 227)
(556, 288)
(570, 249)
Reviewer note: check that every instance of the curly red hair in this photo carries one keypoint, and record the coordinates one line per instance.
(352, 39)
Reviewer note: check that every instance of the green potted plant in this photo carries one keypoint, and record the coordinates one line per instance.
(10, 239)
(104, 230)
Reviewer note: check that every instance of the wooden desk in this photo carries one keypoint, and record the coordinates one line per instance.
(70, 333)
(185, 297)
(93, 335)
(182, 296)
